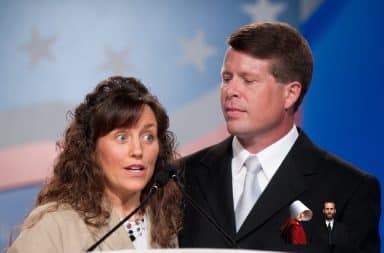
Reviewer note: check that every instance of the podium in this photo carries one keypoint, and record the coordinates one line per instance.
(186, 250)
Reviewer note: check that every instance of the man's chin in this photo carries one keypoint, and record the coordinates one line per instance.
(235, 127)
(233, 130)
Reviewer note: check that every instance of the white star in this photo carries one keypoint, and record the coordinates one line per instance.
(196, 51)
(116, 62)
(38, 47)
(263, 10)
(308, 7)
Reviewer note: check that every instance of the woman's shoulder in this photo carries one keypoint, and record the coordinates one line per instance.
(49, 227)
(52, 206)
(54, 211)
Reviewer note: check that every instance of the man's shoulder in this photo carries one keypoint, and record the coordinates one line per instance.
(329, 162)
(341, 168)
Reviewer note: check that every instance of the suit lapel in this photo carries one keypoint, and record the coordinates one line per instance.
(284, 188)
(290, 181)
(216, 184)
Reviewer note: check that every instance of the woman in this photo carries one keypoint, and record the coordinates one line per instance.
(117, 140)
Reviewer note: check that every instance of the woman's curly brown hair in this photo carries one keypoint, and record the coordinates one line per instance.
(77, 178)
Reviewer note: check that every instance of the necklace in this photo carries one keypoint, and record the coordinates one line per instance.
(135, 228)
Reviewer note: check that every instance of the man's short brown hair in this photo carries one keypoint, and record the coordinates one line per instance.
(281, 43)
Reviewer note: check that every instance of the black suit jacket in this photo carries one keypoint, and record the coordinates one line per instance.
(308, 174)
(340, 241)
(339, 234)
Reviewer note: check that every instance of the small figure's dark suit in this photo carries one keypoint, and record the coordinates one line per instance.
(338, 241)
(339, 234)
(308, 174)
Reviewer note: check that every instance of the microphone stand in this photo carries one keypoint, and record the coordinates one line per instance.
(231, 242)
(153, 189)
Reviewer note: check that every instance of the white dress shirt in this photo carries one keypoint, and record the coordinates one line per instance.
(270, 158)
(330, 222)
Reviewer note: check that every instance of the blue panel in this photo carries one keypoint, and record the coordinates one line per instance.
(15, 205)
(344, 108)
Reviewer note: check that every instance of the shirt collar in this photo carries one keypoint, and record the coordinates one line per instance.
(271, 157)
(240, 154)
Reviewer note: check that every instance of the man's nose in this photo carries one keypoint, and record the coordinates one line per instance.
(231, 88)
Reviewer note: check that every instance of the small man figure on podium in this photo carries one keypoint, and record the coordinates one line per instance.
(335, 232)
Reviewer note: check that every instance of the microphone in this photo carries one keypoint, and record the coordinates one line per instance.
(228, 239)
(161, 179)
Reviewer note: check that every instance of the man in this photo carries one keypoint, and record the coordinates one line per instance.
(332, 232)
(329, 212)
(266, 72)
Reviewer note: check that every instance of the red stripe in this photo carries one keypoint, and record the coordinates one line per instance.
(31, 163)
(212, 137)
(26, 164)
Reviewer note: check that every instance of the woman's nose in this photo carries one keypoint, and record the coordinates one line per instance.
(136, 148)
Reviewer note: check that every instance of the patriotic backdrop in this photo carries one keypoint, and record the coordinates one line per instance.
(54, 52)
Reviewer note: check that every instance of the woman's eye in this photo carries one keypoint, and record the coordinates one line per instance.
(149, 137)
(121, 137)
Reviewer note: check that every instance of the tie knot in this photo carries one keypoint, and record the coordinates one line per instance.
(253, 164)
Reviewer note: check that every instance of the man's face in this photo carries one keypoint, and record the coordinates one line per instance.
(253, 102)
(329, 210)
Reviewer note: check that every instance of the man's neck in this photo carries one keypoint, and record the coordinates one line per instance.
(255, 144)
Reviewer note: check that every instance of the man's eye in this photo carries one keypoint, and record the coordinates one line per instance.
(226, 78)
(246, 81)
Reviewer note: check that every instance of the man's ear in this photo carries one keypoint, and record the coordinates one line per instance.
(292, 93)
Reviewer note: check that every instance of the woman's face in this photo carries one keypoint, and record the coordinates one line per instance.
(128, 156)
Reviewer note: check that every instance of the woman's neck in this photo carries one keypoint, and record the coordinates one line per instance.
(124, 205)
